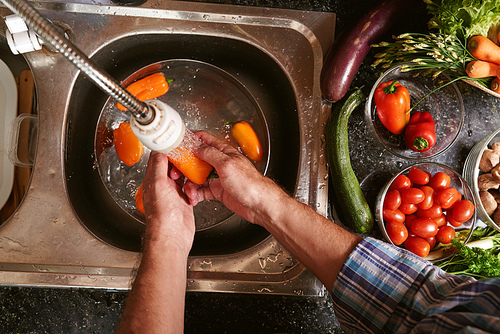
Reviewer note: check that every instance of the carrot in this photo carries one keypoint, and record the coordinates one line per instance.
(147, 88)
(248, 141)
(139, 201)
(481, 69)
(495, 85)
(128, 148)
(484, 49)
(195, 169)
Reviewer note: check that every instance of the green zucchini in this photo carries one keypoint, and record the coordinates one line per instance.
(351, 202)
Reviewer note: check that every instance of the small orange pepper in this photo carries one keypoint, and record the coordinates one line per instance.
(127, 146)
(139, 201)
(192, 167)
(248, 140)
(147, 88)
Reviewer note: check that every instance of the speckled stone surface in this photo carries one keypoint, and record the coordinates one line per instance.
(49, 310)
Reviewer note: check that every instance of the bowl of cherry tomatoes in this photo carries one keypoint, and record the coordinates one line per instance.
(424, 207)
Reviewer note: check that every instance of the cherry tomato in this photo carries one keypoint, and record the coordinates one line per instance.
(392, 200)
(447, 197)
(417, 246)
(441, 220)
(451, 221)
(431, 241)
(408, 220)
(393, 215)
(463, 211)
(408, 208)
(439, 181)
(428, 201)
(424, 227)
(397, 232)
(400, 182)
(412, 195)
(433, 212)
(445, 234)
(418, 176)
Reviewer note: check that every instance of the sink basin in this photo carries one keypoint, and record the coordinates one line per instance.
(78, 234)
(255, 70)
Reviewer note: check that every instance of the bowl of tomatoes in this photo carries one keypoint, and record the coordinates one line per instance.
(424, 207)
(414, 114)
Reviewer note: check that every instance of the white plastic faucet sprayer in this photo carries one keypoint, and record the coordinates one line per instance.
(166, 130)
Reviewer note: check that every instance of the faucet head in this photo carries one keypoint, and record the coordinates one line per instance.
(164, 130)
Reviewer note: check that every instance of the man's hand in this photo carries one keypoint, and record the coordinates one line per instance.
(321, 245)
(240, 186)
(168, 211)
(156, 302)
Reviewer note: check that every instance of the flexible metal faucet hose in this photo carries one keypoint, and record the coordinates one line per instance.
(54, 37)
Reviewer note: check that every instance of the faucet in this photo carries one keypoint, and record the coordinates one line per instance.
(54, 37)
(155, 124)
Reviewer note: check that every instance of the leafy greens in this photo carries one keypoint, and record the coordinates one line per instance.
(444, 49)
(463, 18)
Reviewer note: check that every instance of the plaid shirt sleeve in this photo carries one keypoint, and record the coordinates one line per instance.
(386, 289)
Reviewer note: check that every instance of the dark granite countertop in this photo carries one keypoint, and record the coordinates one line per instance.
(61, 310)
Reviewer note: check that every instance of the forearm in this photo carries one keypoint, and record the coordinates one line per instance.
(318, 243)
(384, 288)
(321, 245)
(156, 301)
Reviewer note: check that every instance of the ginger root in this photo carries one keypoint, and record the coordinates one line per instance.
(496, 147)
(495, 172)
(496, 195)
(496, 216)
(486, 182)
(489, 159)
(488, 201)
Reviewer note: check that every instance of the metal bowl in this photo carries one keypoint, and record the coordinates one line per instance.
(206, 97)
(457, 181)
(471, 172)
(209, 88)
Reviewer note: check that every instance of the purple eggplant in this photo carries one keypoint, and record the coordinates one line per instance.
(350, 48)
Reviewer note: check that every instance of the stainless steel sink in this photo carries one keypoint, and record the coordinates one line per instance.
(69, 232)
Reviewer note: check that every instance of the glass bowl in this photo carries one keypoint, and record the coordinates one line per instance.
(471, 172)
(440, 252)
(444, 104)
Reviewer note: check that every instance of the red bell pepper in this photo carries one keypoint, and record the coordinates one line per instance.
(393, 105)
(420, 133)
